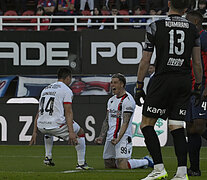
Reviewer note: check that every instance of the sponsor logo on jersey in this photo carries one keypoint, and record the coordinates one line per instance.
(182, 112)
(155, 110)
(115, 113)
(175, 62)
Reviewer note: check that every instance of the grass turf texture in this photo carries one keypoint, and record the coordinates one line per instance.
(26, 162)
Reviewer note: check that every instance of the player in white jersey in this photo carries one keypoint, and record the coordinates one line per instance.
(55, 118)
(118, 127)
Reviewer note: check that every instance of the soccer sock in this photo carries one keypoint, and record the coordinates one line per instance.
(204, 135)
(48, 146)
(81, 148)
(180, 146)
(181, 171)
(153, 144)
(136, 163)
(194, 146)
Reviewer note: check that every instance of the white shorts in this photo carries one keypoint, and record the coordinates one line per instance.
(61, 132)
(119, 151)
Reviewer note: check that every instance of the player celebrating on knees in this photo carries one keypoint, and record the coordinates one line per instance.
(197, 115)
(168, 94)
(55, 118)
(118, 127)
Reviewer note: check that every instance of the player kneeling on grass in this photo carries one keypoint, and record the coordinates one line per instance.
(118, 126)
(55, 118)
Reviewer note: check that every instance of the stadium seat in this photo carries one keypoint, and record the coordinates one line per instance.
(86, 13)
(59, 29)
(105, 12)
(124, 12)
(28, 13)
(10, 13)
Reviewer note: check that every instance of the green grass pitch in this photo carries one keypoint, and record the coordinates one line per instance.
(26, 162)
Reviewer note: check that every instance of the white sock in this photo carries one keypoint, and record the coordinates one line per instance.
(48, 146)
(181, 171)
(159, 167)
(136, 163)
(81, 148)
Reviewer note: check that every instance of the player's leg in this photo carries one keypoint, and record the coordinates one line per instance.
(153, 146)
(180, 145)
(80, 147)
(110, 163)
(109, 155)
(48, 141)
(123, 155)
(194, 131)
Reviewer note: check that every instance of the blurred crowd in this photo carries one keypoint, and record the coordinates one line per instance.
(93, 8)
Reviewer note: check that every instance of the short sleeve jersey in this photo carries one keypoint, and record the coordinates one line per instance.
(116, 108)
(51, 105)
(173, 38)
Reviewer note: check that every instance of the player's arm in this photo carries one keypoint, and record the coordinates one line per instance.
(144, 63)
(197, 66)
(69, 120)
(125, 124)
(34, 134)
(104, 129)
(198, 71)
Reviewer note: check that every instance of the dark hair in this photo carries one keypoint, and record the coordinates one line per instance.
(40, 8)
(180, 4)
(121, 77)
(137, 7)
(63, 73)
(196, 14)
(202, 2)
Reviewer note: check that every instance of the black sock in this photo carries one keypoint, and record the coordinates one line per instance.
(153, 144)
(180, 146)
(204, 135)
(194, 146)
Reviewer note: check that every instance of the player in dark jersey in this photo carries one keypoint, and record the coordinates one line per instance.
(175, 40)
(197, 115)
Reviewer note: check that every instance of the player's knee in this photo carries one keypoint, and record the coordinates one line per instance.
(122, 164)
(110, 163)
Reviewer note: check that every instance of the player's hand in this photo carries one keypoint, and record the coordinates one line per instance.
(197, 94)
(98, 140)
(33, 139)
(73, 138)
(204, 95)
(139, 93)
(114, 141)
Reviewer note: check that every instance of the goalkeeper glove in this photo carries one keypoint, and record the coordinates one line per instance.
(139, 93)
(197, 93)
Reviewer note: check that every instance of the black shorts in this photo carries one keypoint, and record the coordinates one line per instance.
(168, 96)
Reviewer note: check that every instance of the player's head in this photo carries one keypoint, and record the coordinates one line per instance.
(195, 17)
(179, 6)
(118, 82)
(151, 69)
(64, 75)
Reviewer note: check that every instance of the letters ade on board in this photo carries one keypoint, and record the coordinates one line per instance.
(36, 53)
(111, 51)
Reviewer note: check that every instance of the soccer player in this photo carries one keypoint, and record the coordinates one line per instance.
(196, 115)
(55, 118)
(118, 127)
(175, 40)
